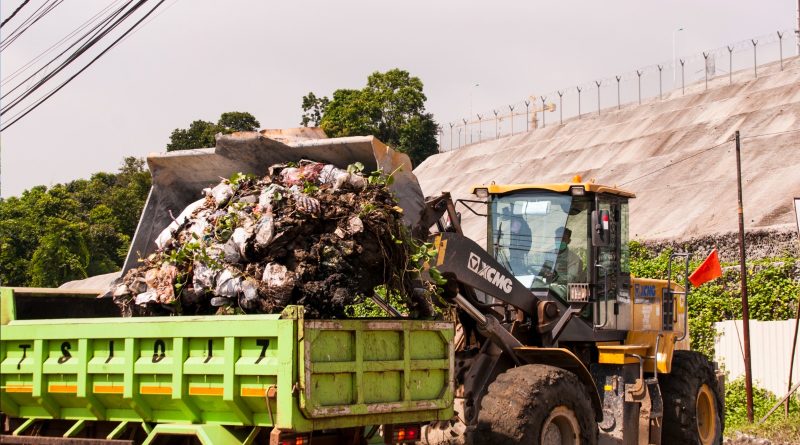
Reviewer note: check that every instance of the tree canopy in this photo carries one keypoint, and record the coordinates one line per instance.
(201, 134)
(390, 107)
(70, 231)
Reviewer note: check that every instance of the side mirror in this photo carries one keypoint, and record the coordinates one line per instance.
(600, 228)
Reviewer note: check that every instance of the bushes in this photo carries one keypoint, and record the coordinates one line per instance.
(777, 427)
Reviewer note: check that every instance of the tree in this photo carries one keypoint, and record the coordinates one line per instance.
(390, 107)
(73, 230)
(313, 109)
(238, 121)
(202, 134)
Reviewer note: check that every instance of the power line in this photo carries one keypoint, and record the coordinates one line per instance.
(91, 34)
(24, 22)
(15, 35)
(705, 150)
(83, 26)
(42, 100)
(14, 13)
(770, 134)
(676, 162)
(85, 47)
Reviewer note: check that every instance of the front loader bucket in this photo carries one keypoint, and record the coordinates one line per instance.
(180, 176)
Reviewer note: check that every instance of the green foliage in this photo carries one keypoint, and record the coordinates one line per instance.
(313, 109)
(367, 308)
(390, 107)
(772, 292)
(763, 400)
(238, 121)
(202, 134)
(73, 230)
(62, 254)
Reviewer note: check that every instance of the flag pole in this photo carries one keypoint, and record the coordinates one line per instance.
(748, 377)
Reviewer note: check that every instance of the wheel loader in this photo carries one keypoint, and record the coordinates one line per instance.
(561, 344)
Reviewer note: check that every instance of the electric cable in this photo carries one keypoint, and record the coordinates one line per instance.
(91, 34)
(42, 100)
(708, 149)
(83, 26)
(769, 134)
(677, 162)
(85, 47)
(14, 13)
(9, 40)
(24, 22)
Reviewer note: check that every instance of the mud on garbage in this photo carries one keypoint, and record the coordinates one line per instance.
(309, 234)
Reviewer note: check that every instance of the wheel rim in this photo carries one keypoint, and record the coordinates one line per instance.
(706, 415)
(560, 428)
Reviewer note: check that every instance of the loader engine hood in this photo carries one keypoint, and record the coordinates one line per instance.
(180, 176)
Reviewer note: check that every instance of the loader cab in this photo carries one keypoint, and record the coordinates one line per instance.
(568, 241)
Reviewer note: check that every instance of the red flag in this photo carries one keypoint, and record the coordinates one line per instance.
(709, 270)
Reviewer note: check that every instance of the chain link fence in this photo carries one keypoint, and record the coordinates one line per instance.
(722, 65)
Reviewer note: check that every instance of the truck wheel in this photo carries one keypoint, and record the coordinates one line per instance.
(692, 401)
(536, 404)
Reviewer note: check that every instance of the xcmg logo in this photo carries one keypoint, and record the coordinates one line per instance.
(489, 273)
(644, 291)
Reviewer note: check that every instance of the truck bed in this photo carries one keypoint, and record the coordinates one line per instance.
(247, 370)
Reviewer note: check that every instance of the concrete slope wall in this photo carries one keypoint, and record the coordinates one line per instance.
(662, 151)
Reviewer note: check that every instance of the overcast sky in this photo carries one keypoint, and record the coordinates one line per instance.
(200, 58)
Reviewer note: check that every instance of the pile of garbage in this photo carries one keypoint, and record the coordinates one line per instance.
(309, 234)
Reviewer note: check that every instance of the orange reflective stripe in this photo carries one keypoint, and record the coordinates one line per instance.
(63, 389)
(205, 391)
(156, 390)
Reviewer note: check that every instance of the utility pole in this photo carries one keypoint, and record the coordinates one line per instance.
(748, 376)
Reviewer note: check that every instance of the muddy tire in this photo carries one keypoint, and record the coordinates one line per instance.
(536, 404)
(693, 405)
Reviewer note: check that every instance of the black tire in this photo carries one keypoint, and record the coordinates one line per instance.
(536, 404)
(691, 389)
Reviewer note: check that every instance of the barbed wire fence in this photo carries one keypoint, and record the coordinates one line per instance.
(719, 66)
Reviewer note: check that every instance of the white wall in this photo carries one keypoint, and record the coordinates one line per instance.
(770, 351)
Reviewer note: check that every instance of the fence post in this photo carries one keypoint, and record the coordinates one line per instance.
(466, 130)
(660, 84)
(705, 57)
(560, 108)
(780, 47)
(683, 79)
(511, 109)
(618, 98)
(579, 101)
(496, 134)
(730, 65)
(639, 74)
(480, 128)
(755, 64)
(543, 110)
(598, 82)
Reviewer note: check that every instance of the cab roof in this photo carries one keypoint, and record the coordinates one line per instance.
(563, 187)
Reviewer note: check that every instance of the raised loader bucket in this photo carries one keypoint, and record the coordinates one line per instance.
(180, 176)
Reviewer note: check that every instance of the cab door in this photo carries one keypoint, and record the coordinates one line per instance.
(611, 277)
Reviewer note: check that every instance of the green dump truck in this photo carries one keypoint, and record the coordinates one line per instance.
(73, 371)
(70, 369)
